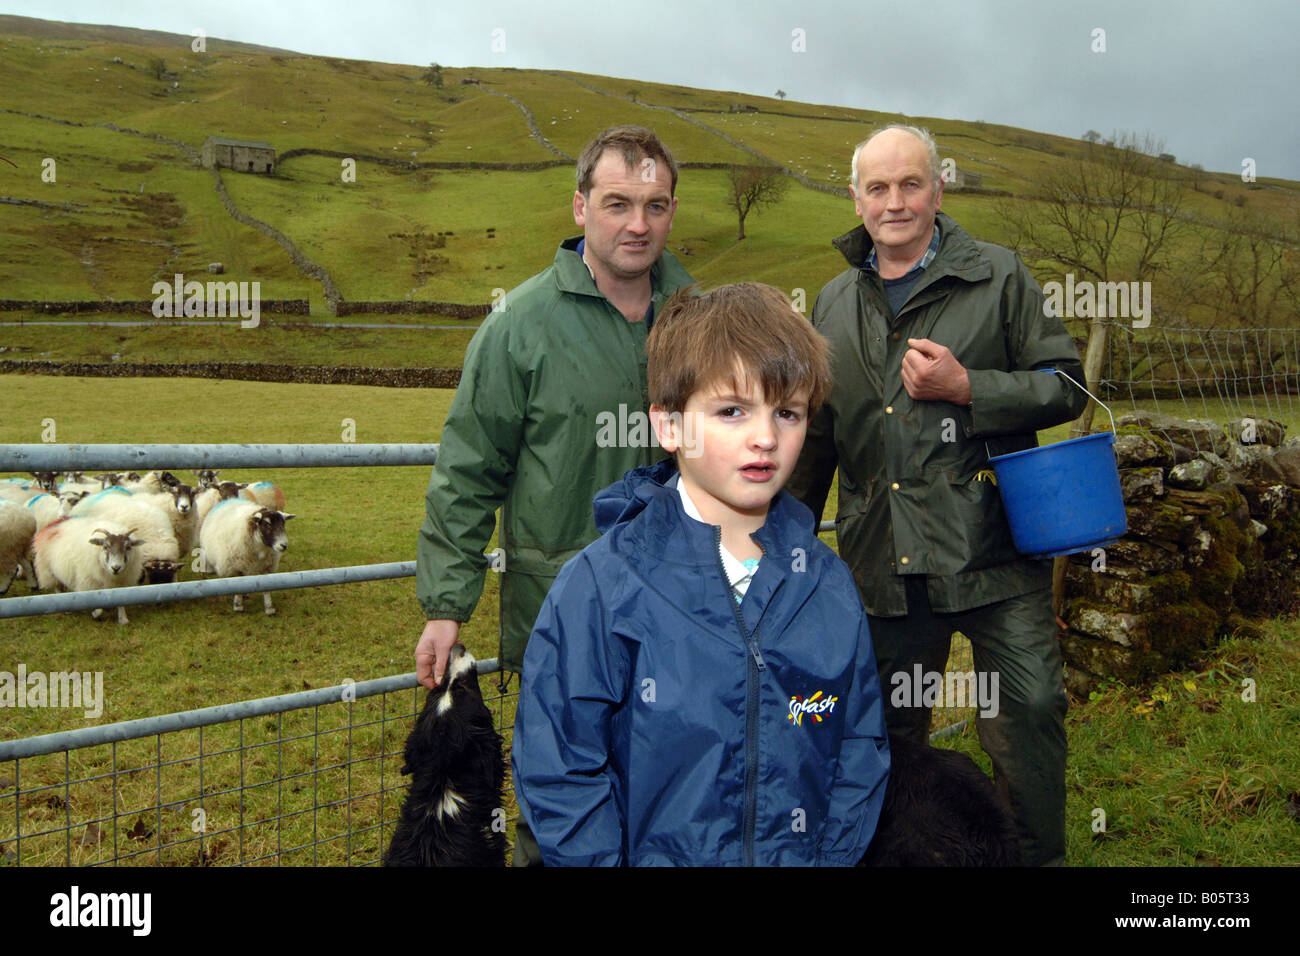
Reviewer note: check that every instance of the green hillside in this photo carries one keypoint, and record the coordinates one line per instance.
(130, 205)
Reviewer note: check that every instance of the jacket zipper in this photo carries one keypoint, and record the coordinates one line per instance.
(754, 664)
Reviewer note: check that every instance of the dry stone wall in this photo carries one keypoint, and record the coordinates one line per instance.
(246, 371)
(1212, 546)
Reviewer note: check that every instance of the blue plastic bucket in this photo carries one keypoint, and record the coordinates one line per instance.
(1062, 498)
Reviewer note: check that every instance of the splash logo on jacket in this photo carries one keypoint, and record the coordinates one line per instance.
(814, 707)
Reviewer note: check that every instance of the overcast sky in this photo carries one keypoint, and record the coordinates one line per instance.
(1216, 82)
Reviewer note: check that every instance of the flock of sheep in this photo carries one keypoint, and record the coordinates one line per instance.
(118, 530)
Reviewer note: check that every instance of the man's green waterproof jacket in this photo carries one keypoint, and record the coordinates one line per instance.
(551, 408)
(917, 494)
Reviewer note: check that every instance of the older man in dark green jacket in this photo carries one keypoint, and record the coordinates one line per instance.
(940, 350)
(551, 406)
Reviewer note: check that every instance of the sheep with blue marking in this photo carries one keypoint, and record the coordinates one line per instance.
(48, 508)
(242, 537)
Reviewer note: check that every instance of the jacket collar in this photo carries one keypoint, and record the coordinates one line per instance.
(572, 274)
(958, 254)
(668, 532)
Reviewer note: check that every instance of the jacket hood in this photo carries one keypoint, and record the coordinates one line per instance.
(626, 498)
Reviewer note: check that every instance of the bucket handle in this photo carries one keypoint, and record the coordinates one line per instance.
(1063, 375)
(1088, 393)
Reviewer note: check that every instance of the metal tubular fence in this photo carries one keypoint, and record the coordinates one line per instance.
(306, 778)
(35, 807)
(118, 457)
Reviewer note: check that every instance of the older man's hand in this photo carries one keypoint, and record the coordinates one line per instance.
(932, 374)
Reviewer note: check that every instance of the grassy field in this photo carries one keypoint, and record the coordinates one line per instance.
(1185, 774)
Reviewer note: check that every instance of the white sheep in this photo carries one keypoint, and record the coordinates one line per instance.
(17, 526)
(177, 502)
(241, 537)
(153, 483)
(19, 492)
(48, 508)
(80, 553)
(155, 539)
(211, 496)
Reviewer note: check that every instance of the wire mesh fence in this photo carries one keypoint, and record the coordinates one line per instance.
(309, 779)
(1217, 374)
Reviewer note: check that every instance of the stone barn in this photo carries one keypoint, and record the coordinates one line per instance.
(241, 155)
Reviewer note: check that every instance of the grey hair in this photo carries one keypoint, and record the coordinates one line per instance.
(931, 148)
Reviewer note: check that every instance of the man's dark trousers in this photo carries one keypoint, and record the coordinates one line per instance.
(1016, 639)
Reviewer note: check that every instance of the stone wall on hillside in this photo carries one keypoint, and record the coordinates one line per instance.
(1213, 543)
(142, 307)
(453, 310)
(244, 371)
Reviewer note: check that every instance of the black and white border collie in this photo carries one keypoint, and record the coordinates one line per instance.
(453, 815)
(940, 810)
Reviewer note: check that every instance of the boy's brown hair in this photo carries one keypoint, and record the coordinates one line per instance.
(701, 340)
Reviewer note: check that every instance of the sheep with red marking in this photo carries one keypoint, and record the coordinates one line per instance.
(48, 508)
(159, 551)
(82, 553)
(241, 537)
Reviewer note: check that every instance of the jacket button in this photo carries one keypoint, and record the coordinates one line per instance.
(889, 409)
(903, 560)
(896, 336)
(894, 486)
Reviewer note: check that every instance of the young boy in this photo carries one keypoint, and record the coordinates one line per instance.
(700, 687)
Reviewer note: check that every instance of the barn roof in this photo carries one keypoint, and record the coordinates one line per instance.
(225, 141)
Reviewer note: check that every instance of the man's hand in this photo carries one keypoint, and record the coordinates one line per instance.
(932, 374)
(433, 651)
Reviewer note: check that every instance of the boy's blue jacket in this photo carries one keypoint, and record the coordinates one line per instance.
(652, 731)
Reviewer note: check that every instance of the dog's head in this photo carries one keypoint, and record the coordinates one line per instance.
(454, 714)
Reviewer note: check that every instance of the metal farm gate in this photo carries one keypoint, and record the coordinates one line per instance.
(310, 778)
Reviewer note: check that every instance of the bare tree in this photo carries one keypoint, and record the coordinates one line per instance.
(1111, 215)
(1092, 136)
(1248, 273)
(754, 186)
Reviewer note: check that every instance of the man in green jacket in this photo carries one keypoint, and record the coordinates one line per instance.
(940, 349)
(551, 406)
